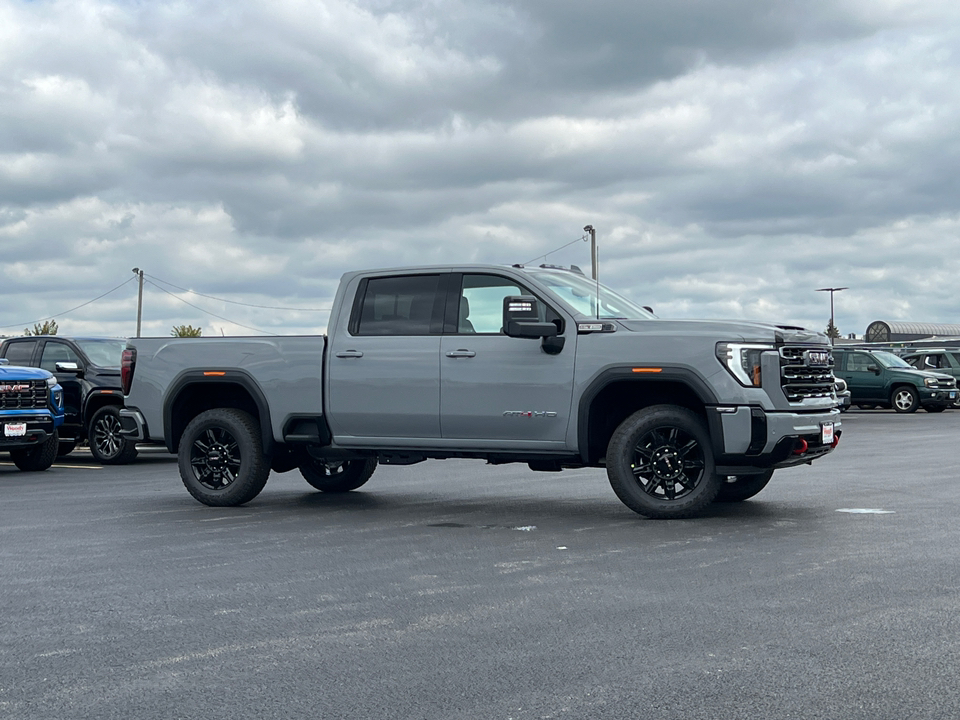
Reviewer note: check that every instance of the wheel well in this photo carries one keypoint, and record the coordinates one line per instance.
(618, 400)
(196, 398)
(96, 402)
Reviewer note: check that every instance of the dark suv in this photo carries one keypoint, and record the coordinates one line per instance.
(938, 360)
(88, 369)
(880, 378)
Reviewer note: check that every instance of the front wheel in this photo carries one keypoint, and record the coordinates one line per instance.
(38, 457)
(660, 463)
(905, 399)
(337, 477)
(221, 458)
(737, 488)
(107, 444)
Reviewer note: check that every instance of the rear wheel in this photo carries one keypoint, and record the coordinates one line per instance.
(660, 463)
(107, 444)
(905, 399)
(737, 488)
(341, 476)
(221, 458)
(36, 458)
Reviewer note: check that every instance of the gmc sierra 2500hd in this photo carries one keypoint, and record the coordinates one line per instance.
(509, 364)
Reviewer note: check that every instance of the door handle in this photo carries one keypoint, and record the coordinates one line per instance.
(349, 354)
(461, 353)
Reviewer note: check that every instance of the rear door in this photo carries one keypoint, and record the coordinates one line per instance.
(499, 388)
(384, 367)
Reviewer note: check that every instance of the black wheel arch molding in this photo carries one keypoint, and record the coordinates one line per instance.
(642, 375)
(173, 429)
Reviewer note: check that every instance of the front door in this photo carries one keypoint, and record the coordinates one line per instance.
(384, 369)
(53, 352)
(494, 387)
(865, 385)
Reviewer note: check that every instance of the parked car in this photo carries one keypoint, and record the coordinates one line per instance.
(940, 360)
(844, 401)
(880, 378)
(88, 369)
(31, 410)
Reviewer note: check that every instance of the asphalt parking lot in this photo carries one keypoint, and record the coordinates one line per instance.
(452, 589)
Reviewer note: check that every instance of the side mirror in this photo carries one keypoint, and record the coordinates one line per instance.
(521, 318)
(69, 367)
(873, 369)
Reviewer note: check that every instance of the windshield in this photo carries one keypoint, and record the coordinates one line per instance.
(889, 360)
(103, 353)
(580, 293)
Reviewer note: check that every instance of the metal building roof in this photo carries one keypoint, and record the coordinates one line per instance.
(888, 331)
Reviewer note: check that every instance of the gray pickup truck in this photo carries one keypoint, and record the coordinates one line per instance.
(538, 365)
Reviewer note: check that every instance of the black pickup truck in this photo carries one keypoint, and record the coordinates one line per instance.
(88, 369)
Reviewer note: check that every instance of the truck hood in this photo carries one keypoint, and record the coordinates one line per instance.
(913, 372)
(729, 330)
(10, 373)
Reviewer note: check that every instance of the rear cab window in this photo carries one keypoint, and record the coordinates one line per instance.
(20, 352)
(403, 305)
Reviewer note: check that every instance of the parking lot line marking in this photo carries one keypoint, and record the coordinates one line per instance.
(866, 511)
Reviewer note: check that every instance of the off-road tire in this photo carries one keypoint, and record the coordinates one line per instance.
(37, 458)
(107, 444)
(337, 477)
(221, 458)
(737, 488)
(660, 463)
(905, 399)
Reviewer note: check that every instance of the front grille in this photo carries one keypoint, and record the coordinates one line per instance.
(23, 394)
(800, 380)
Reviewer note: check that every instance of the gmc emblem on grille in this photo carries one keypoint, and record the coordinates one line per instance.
(818, 357)
(14, 388)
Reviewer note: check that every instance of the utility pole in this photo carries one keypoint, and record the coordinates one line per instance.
(831, 290)
(139, 273)
(593, 250)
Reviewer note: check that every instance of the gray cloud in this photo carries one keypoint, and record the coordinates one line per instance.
(734, 155)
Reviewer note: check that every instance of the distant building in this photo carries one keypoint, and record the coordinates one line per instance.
(882, 331)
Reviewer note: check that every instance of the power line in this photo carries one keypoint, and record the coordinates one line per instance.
(219, 317)
(67, 312)
(236, 302)
(584, 238)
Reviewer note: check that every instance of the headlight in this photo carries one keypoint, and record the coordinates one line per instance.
(743, 361)
(931, 382)
(58, 398)
(51, 382)
(841, 385)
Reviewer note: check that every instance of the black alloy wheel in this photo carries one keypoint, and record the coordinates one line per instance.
(221, 458)
(660, 463)
(107, 443)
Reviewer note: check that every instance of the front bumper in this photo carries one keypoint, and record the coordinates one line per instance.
(944, 397)
(748, 438)
(39, 427)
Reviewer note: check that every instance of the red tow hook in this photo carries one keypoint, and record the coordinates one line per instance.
(800, 447)
(836, 441)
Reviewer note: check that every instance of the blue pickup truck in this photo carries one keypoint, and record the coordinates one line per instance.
(31, 410)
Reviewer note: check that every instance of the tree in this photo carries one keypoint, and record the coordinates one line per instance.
(49, 327)
(186, 331)
(832, 331)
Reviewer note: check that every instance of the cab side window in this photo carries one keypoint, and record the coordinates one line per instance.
(935, 361)
(480, 308)
(858, 362)
(407, 305)
(54, 352)
(916, 361)
(20, 353)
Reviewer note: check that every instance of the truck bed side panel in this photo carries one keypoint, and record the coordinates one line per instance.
(288, 371)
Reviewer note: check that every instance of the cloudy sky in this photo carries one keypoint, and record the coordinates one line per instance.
(733, 155)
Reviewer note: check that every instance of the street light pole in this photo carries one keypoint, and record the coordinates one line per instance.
(139, 273)
(832, 290)
(593, 250)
